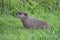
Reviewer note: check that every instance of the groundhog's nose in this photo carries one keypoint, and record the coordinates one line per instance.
(17, 13)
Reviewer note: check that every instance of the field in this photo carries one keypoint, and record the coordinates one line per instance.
(11, 27)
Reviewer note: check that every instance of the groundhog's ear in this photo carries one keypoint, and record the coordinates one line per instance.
(25, 14)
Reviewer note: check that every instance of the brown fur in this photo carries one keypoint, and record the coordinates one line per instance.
(32, 23)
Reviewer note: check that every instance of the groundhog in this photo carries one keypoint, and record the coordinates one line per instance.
(30, 22)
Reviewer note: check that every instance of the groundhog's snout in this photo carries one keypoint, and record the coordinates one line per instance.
(18, 13)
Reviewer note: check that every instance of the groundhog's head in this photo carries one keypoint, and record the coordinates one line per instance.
(22, 15)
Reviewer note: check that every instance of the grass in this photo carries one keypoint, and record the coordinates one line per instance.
(11, 28)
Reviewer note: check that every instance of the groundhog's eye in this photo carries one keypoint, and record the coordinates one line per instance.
(25, 14)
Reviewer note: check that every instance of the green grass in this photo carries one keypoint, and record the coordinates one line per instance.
(11, 28)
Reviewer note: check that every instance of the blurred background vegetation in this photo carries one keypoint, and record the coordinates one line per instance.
(31, 6)
(11, 28)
